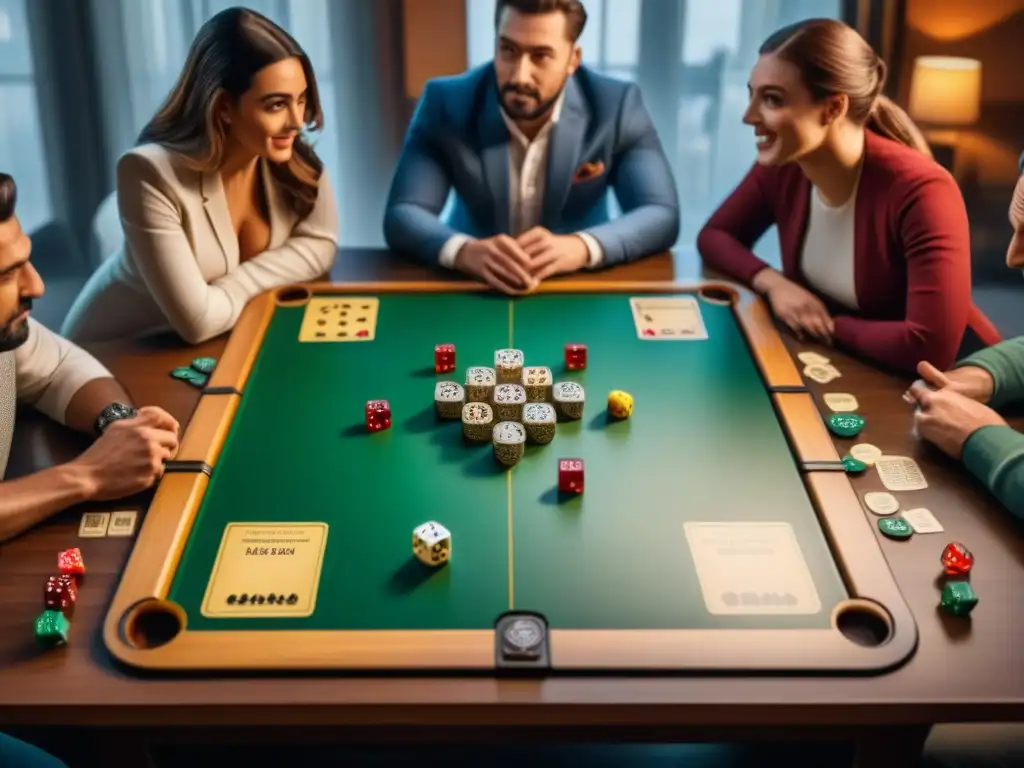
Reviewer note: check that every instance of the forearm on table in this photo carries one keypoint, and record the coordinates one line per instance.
(995, 455)
(1005, 364)
(27, 501)
(637, 233)
(86, 404)
(895, 344)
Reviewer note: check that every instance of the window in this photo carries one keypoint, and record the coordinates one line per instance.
(21, 143)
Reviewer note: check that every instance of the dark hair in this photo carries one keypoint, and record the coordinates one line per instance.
(8, 197)
(833, 58)
(575, 13)
(226, 54)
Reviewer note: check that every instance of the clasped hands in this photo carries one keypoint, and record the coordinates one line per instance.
(517, 265)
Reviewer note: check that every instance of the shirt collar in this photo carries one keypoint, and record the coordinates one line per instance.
(556, 112)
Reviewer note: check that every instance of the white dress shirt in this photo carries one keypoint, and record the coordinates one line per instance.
(528, 163)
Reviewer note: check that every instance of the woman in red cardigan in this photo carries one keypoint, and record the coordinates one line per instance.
(876, 253)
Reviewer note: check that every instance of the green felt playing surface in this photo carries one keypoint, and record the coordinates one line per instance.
(703, 444)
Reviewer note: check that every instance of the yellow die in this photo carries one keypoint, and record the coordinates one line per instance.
(620, 404)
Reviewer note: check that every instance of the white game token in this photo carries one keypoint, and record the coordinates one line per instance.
(812, 358)
(822, 374)
(867, 453)
(900, 473)
(922, 521)
(841, 402)
(881, 503)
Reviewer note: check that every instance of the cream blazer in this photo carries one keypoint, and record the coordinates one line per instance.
(179, 267)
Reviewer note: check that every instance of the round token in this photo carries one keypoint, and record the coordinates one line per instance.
(840, 401)
(812, 358)
(184, 373)
(846, 424)
(881, 503)
(853, 464)
(204, 364)
(524, 633)
(895, 528)
(867, 453)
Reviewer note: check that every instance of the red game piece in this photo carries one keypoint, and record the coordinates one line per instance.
(70, 562)
(957, 559)
(575, 356)
(570, 475)
(378, 415)
(61, 592)
(444, 358)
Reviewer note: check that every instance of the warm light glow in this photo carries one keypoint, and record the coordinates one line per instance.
(945, 90)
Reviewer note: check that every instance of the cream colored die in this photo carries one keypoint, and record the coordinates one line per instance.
(509, 400)
(537, 381)
(569, 398)
(480, 382)
(508, 363)
(477, 419)
(432, 544)
(540, 420)
(449, 397)
(509, 442)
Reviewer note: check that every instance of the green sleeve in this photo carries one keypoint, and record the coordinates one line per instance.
(995, 455)
(1005, 363)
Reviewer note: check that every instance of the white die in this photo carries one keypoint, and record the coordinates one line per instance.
(432, 544)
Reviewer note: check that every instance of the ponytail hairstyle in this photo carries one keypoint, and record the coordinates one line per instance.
(834, 59)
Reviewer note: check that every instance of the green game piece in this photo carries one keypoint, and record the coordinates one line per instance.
(895, 528)
(52, 628)
(958, 598)
(204, 364)
(190, 375)
(846, 424)
(854, 465)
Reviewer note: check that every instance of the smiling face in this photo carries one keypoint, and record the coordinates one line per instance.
(19, 284)
(267, 117)
(533, 60)
(788, 123)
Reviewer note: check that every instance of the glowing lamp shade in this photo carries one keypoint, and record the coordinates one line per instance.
(945, 90)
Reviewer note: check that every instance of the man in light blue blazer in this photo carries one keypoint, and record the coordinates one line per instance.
(532, 144)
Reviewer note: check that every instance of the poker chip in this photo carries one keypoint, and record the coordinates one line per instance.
(895, 528)
(881, 503)
(867, 453)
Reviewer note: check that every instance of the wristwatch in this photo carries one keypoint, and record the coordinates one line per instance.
(113, 412)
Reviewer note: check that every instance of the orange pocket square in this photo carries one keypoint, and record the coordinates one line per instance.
(588, 171)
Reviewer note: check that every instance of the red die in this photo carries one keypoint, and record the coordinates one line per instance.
(575, 356)
(70, 562)
(444, 358)
(61, 592)
(570, 475)
(378, 415)
(957, 559)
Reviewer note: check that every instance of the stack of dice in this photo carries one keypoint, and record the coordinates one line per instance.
(958, 596)
(54, 624)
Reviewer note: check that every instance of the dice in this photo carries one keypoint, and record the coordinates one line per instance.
(570, 475)
(70, 563)
(61, 593)
(620, 404)
(444, 358)
(575, 356)
(956, 559)
(432, 544)
(378, 415)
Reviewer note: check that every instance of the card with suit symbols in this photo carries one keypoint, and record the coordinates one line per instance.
(340, 318)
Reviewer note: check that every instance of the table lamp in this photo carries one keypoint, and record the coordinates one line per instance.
(945, 93)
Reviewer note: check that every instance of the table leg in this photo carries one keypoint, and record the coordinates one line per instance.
(897, 747)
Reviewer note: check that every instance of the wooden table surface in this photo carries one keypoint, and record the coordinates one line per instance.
(963, 670)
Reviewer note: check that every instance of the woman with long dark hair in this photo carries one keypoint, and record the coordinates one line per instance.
(876, 251)
(223, 198)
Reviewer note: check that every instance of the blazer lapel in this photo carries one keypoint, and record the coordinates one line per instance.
(215, 203)
(494, 138)
(564, 152)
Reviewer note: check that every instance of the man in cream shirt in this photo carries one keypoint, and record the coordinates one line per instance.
(41, 369)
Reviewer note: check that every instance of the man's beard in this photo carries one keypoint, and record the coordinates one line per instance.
(14, 334)
(520, 113)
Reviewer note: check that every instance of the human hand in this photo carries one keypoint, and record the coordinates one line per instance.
(946, 418)
(129, 456)
(969, 381)
(552, 254)
(802, 311)
(500, 262)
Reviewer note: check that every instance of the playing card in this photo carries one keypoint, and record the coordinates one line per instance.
(340, 318)
(900, 473)
(664, 318)
(922, 521)
(94, 525)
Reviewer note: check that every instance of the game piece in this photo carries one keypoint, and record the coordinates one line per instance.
(122, 522)
(539, 420)
(568, 397)
(70, 562)
(922, 521)
(895, 528)
(840, 402)
(575, 356)
(620, 404)
(509, 400)
(432, 544)
(52, 628)
(812, 358)
(956, 559)
(867, 453)
(881, 503)
(477, 421)
(854, 465)
(508, 364)
(190, 376)
(509, 438)
(444, 358)
(61, 592)
(93, 525)
(958, 598)
(480, 383)
(822, 374)
(900, 473)
(537, 382)
(204, 365)
(845, 424)
(570, 475)
(378, 415)
(449, 397)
